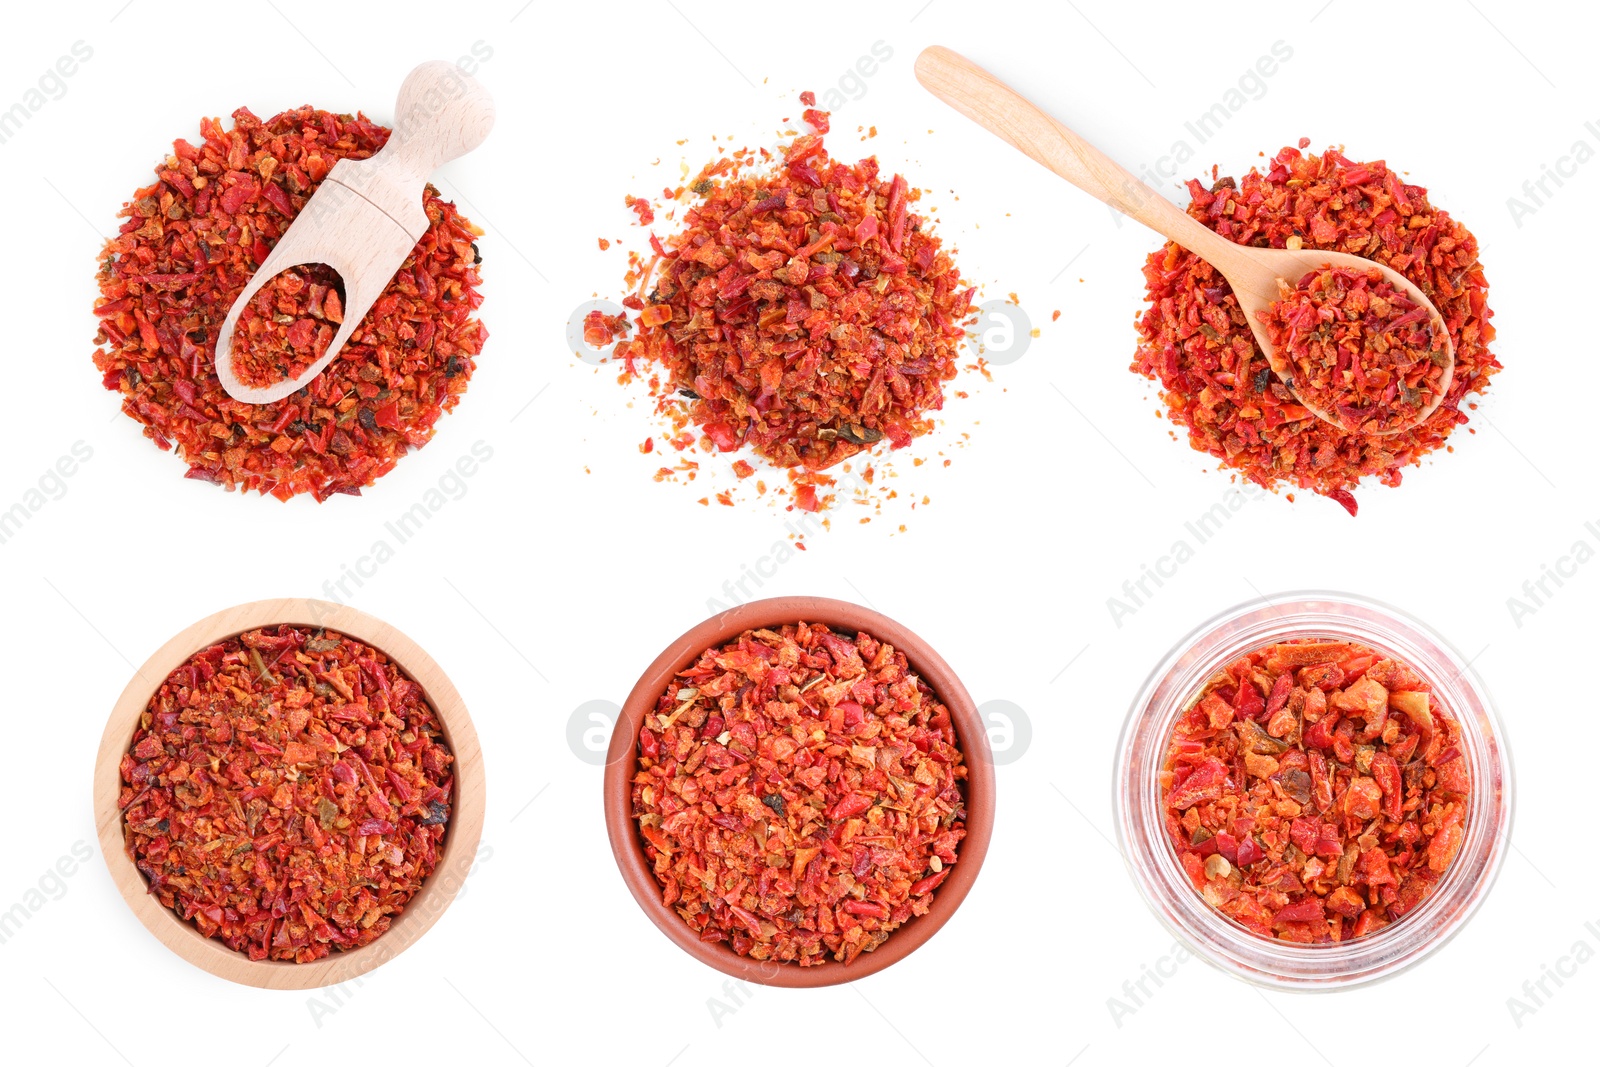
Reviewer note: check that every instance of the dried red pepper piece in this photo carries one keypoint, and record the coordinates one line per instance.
(803, 309)
(287, 791)
(191, 242)
(600, 329)
(1320, 808)
(287, 325)
(1216, 382)
(799, 794)
(1359, 349)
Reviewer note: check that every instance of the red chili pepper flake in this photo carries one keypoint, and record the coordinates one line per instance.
(287, 791)
(1216, 382)
(287, 325)
(189, 245)
(1359, 349)
(600, 329)
(641, 207)
(803, 309)
(1316, 791)
(799, 793)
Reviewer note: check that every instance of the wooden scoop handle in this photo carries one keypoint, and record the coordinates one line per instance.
(441, 113)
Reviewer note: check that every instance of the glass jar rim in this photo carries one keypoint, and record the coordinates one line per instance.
(1173, 685)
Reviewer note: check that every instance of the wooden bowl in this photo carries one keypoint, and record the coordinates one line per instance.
(461, 836)
(622, 761)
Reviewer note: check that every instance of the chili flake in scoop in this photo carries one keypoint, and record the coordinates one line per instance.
(1358, 348)
(187, 248)
(803, 308)
(799, 794)
(287, 325)
(1218, 385)
(287, 791)
(1316, 791)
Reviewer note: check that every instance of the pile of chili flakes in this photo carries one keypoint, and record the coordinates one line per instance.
(1316, 791)
(190, 244)
(799, 794)
(802, 309)
(1217, 383)
(287, 791)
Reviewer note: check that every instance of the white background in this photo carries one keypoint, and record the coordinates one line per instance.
(564, 568)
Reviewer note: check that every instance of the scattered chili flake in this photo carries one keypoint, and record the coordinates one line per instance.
(1316, 791)
(287, 791)
(1194, 340)
(1359, 349)
(807, 310)
(287, 325)
(799, 794)
(640, 207)
(600, 329)
(604, 244)
(191, 242)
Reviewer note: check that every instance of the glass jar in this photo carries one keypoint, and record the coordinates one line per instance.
(1177, 682)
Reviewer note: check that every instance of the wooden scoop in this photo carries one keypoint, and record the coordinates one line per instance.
(366, 216)
(1253, 273)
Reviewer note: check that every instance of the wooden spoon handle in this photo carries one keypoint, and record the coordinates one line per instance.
(1004, 112)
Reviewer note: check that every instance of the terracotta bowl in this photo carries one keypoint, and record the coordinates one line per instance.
(622, 761)
(461, 837)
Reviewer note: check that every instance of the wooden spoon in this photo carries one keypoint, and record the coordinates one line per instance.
(367, 216)
(1253, 273)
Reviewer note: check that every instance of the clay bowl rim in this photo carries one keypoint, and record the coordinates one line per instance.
(972, 737)
(424, 909)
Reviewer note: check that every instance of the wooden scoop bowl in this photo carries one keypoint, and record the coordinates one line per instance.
(1253, 273)
(367, 216)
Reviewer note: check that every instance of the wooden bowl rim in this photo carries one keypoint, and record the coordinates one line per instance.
(840, 615)
(461, 839)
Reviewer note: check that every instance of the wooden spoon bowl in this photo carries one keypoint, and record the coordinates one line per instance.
(461, 835)
(1253, 273)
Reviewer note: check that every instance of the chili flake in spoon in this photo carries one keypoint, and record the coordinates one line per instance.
(288, 325)
(1359, 349)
